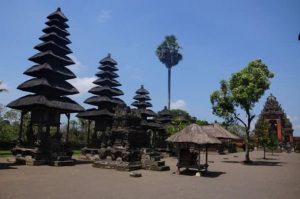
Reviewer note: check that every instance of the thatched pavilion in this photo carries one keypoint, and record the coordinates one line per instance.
(189, 142)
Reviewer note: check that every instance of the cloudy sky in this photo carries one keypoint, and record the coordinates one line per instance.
(218, 38)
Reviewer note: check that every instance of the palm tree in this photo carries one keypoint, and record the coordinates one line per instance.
(168, 54)
(2, 89)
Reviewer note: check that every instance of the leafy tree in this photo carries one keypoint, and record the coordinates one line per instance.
(242, 91)
(262, 134)
(273, 142)
(168, 53)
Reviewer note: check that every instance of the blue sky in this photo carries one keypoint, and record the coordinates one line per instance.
(218, 38)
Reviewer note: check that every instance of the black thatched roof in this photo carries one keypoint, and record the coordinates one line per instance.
(106, 91)
(56, 38)
(103, 100)
(141, 104)
(107, 82)
(142, 97)
(58, 15)
(94, 114)
(108, 61)
(48, 87)
(142, 91)
(51, 45)
(53, 71)
(30, 102)
(105, 74)
(51, 58)
(193, 134)
(50, 84)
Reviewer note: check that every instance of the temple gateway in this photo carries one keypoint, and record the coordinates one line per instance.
(279, 123)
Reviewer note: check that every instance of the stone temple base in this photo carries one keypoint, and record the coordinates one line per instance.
(118, 165)
(34, 157)
(151, 161)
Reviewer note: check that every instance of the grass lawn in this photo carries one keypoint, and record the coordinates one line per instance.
(5, 153)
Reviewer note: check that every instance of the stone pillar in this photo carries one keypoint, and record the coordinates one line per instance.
(279, 130)
(88, 133)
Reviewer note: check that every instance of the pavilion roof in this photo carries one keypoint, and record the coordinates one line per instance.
(218, 131)
(193, 133)
(29, 102)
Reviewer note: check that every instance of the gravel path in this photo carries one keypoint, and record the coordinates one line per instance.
(278, 177)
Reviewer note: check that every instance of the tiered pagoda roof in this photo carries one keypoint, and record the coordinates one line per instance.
(49, 74)
(105, 93)
(164, 116)
(142, 103)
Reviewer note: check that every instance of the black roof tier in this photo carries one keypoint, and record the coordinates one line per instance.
(141, 104)
(103, 101)
(165, 112)
(106, 91)
(48, 87)
(107, 82)
(58, 15)
(108, 68)
(51, 45)
(108, 60)
(48, 70)
(107, 74)
(30, 102)
(142, 97)
(51, 58)
(58, 23)
(56, 38)
(57, 30)
(147, 112)
(95, 114)
(142, 91)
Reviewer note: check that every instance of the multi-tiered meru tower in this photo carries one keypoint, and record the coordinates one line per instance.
(48, 102)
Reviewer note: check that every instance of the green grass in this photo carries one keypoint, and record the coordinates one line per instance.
(76, 152)
(5, 153)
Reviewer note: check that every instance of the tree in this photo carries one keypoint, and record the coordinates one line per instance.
(262, 134)
(273, 142)
(243, 90)
(168, 54)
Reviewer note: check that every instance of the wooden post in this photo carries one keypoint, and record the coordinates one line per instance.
(21, 128)
(206, 155)
(68, 127)
(88, 133)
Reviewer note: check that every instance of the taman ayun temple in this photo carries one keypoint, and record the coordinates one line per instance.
(48, 101)
(277, 118)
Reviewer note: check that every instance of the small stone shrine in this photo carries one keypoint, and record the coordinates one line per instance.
(277, 118)
(43, 144)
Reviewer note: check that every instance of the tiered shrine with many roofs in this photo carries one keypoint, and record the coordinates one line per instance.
(49, 100)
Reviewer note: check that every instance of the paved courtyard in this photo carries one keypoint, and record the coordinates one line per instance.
(277, 177)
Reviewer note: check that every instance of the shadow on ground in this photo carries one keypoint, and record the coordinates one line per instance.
(257, 163)
(209, 174)
(7, 165)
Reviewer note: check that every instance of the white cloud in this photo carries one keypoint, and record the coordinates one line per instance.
(179, 104)
(104, 16)
(3, 85)
(77, 66)
(83, 84)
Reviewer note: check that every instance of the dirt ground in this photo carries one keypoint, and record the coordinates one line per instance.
(277, 177)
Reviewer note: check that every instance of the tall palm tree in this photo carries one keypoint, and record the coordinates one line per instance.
(168, 54)
(2, 89)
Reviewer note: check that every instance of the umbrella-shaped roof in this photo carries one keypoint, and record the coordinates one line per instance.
(193, 133)
(218, 131)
